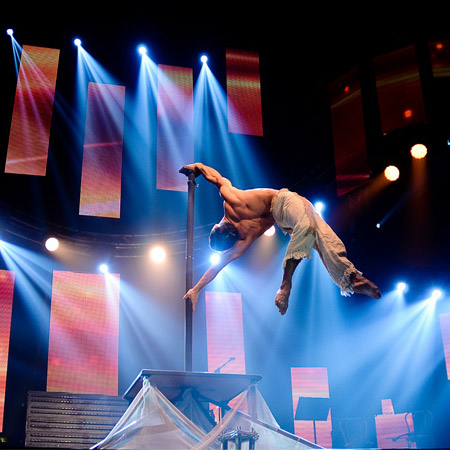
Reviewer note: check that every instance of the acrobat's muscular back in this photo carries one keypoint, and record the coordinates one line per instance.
(248, 210)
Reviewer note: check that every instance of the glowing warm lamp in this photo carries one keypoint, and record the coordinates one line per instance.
(418, 151)
(157, 254)
(52, 244)
(391, 173)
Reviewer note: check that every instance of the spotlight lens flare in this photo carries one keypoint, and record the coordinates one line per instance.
(418, 151)
(204, 59)
(401, 287)
(157, 254)
(9, 31)
(391, 173)
(103, 268)
(52, 244)
(142, 49)
(319, 207)
(436, 294)
(77, 42)
(270, 231)
(214, 259)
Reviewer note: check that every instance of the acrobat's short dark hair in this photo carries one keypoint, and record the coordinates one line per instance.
(223, 236)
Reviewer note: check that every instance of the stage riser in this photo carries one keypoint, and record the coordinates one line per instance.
(70, 421)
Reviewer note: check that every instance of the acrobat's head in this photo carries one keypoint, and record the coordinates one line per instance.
(223, 236)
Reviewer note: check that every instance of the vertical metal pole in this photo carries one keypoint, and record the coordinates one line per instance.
(189, 271)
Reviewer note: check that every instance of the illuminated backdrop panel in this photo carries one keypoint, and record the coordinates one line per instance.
(349, 137)
(440, 58)
(390, 426)
(175, 126)
(225, 331)
(84, 333)
(311, 382)
(101, 176)
(32, 112)
(244, 93)
(445, 330)
(6, 301)
(399, 89)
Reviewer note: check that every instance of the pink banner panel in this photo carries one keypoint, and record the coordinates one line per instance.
(84, 334)
(225, 331)
(390, 426)
(6, 302)
(244, 93)
(32, 113)
(175, 126)
(311, 382)
(101, 175)
(349, 136)
(225, 335)
(445, 330)
(399, 89)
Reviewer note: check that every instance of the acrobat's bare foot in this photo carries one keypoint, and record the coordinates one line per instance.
(363, 286)
(282, 299)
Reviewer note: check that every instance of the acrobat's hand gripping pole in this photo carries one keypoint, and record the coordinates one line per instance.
(189, 266)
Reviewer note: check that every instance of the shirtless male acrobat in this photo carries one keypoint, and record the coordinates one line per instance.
(249, 213)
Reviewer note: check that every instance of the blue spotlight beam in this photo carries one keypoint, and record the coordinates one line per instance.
(189, 266)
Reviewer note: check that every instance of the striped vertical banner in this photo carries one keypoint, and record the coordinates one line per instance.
(445, 330)
(32, 114)
(311, 382)
(84, 333)
(225, 331)
(392, 429)
(399, 89)
(225, 334)
(175, 126)
(349, 136)
(440, 58)
(244, 93)
(101, 175)
(6, 302)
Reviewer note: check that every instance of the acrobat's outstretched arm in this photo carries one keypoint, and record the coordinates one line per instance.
(228, 192)
(227, 256)
(210, 174)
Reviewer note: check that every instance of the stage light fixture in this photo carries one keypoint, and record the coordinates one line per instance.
(103, 268)
(52, 244)
(142, 49)
(270, 231)
(77, 42)
(157, 254)
(391, 173)
(401, 287)
(418, 151)
(204, 59)
(214, 259)
(9, 31)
